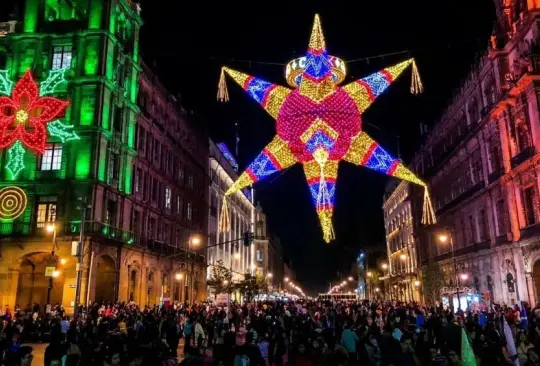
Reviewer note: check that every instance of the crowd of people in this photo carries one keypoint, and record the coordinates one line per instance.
(303, 333)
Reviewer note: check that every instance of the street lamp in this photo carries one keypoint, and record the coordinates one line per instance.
(193, 241)
(270, 275)
(417, 283)
(403, 257)
(286, 279)
(178, 276)
(51, 228)
(464, 276)
(369, 274)
(350, 278)
(384, 266)
(443, 238)
(63, 261)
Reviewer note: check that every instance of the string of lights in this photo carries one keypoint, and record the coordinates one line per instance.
(409, 51)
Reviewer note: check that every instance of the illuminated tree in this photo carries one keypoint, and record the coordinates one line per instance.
(221, 280)
(433, 281)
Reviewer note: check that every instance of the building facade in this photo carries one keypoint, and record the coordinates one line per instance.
(401, 272)
(481, 162)
(268, 259)
(169, 201)
(233, 254)
(83, 188)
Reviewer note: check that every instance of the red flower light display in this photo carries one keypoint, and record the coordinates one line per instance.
(25, 115)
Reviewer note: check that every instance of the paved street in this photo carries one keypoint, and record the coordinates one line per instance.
(39, 352)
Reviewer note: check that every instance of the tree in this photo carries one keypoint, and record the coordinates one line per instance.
(433, 281)
(221, 279)
(252, 285)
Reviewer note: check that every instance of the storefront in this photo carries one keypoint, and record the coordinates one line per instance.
(460, 298)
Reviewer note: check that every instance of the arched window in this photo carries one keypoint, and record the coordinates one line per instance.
(489, 282)
(489, 92)
(510, 283)
(473, 111)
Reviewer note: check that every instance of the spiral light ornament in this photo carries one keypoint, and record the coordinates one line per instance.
(12, 202)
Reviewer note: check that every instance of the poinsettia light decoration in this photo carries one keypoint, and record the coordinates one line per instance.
(28, 116)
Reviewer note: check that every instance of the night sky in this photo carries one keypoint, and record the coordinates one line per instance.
(187, 44)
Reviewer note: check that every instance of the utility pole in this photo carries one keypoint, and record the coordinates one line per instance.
(80, 247)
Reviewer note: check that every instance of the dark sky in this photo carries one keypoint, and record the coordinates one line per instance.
(186, 42)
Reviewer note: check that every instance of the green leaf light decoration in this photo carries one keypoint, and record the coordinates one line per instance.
(53, 81)
(62, 131)
(5, 84)
(15, 159)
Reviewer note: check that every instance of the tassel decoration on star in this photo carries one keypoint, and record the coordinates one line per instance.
(428, 213)
(223, 93)
(319, 124)
(416, 82)
(224, 225)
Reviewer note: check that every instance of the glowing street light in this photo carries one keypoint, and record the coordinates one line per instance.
(56, 273)
(178, 276)
(464, 276)
(384, 266)
(195, 239)
(51, 227)
(403, 257)
(369, 274)
(443, 238)
(417, 283)
(350, 278)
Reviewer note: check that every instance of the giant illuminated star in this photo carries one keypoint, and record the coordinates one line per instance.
(319, 124)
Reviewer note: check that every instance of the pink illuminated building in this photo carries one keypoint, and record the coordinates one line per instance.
(482, 163)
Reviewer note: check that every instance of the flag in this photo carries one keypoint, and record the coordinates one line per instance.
(467, 354)
(522, 315)
(509, 339)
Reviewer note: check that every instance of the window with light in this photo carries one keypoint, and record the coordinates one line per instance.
(52, 157)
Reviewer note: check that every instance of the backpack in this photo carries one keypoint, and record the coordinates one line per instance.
(241, 360)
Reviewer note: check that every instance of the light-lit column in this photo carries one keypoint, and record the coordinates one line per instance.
(531, 108)
(514, 208)
(506, 148)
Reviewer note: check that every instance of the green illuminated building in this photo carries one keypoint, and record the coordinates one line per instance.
(97, 41)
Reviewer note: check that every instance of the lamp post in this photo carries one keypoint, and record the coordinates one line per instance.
(80, 247)
(443, 239)
(51, 228)
(193, 240)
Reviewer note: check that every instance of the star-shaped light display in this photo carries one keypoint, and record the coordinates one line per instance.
(319, 124)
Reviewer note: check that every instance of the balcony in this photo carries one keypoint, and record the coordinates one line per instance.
(462, 197)
(522, 156)
(529, 231)
(495, 175)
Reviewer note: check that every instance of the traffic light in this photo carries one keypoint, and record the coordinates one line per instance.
(248, 238)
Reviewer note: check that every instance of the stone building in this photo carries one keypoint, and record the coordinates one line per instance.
(170, 201)
(481, 161)
(401, 272)
(84, 188)
(223, 171)
(268, 259)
